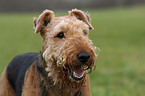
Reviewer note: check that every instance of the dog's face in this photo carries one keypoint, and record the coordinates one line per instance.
(66, 45)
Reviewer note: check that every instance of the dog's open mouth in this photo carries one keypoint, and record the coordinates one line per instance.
(77, 73)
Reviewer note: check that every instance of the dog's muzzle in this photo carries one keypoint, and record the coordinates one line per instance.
(77, 72)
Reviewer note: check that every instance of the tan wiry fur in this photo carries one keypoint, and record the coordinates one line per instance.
(75, 41)
(76, 32)
(5, 86)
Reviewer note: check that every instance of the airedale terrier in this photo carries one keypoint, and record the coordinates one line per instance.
(61, 68)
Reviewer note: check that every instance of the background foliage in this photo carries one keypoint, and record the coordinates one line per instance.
(39, 5)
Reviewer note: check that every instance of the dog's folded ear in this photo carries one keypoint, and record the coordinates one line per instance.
(43, 20)
(81, 16)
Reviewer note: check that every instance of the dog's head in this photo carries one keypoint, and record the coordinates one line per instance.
(68, 51)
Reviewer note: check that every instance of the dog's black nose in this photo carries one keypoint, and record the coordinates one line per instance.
(83, 56)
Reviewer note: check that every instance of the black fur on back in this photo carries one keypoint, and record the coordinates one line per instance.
(17, 68)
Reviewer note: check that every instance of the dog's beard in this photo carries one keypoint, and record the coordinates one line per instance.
(64, 68)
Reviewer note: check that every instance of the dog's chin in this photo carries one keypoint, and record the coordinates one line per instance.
(77, 73)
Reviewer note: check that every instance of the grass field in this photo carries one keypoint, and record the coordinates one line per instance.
(119, 33)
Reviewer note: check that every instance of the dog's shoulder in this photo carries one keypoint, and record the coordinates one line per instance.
(17, 68)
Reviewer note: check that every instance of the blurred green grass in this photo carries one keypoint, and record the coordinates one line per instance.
(119, 33)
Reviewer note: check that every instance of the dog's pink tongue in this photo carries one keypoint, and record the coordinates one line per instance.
(78, 71)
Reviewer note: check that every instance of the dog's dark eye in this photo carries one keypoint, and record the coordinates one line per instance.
(60, 35)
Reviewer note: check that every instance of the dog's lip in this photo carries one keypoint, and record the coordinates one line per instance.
(77, 73)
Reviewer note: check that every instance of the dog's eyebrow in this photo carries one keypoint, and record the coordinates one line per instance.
(60, 25)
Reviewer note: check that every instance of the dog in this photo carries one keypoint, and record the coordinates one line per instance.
(62, 66)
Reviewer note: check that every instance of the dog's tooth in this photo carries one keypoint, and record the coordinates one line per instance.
(74, 73)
